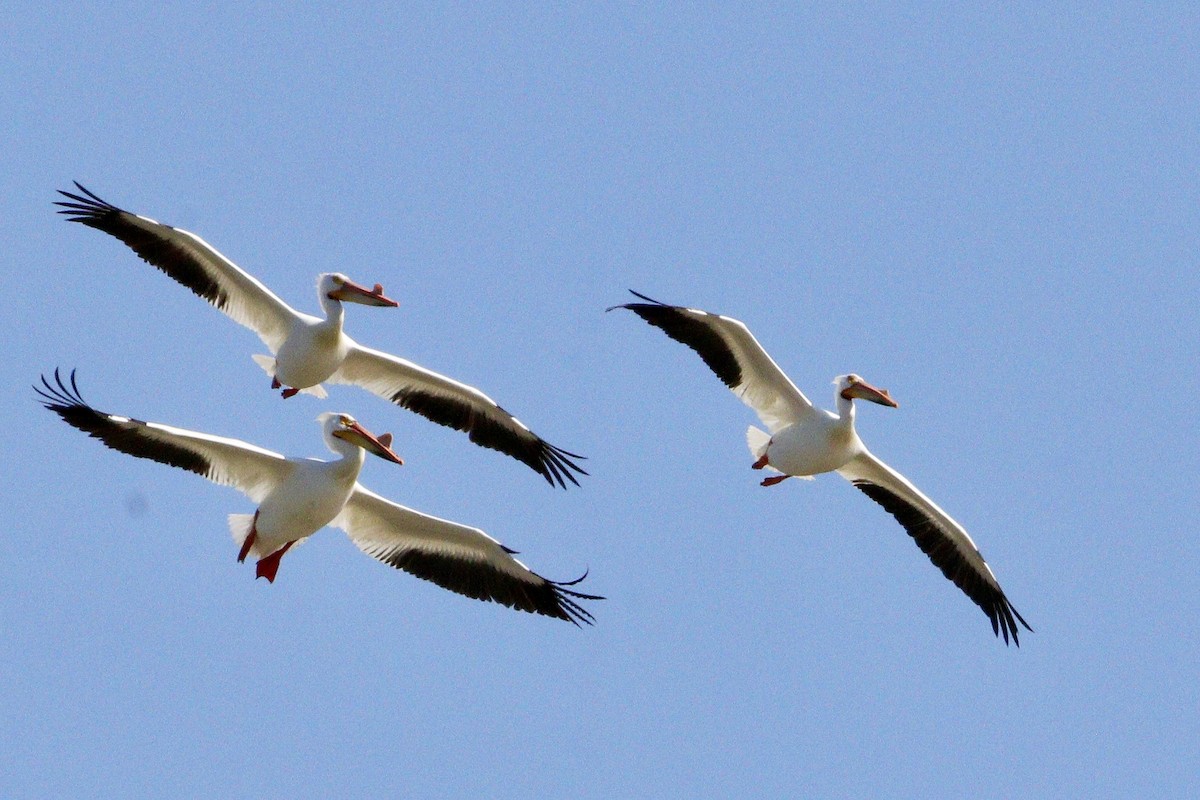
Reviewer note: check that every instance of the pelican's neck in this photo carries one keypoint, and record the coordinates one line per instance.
(334, 309)
(352, 456)
(845, 407)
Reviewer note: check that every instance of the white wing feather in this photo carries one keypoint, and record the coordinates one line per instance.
(381, 528)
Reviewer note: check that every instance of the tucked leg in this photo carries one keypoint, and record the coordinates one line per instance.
(774, 479)
(250, 537)
(290, 392)
(762, 462)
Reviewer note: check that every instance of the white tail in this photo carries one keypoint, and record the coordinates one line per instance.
(266, 362)
(268, 366)
(239, 527)
(757, 440)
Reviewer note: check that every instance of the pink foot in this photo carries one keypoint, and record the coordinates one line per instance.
(286, 393)
(267, 567)
(774, 479)
(275, 384)
(250, 537)
(762, 462)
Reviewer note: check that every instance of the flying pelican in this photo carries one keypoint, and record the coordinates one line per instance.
(307, 350)
(296, 497)
(805, 441)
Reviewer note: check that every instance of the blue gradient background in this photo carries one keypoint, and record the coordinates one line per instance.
(991, 211)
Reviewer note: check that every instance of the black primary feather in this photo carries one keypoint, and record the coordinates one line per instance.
(682, 327)
(550, 598)
(552, 463)
(120, 433)
(159, 251)
(946, 557)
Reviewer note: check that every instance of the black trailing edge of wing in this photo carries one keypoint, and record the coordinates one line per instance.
(946, 557)
(681, 327)
(159, 251)
(551, 598)
(552, 463)
(120, 433)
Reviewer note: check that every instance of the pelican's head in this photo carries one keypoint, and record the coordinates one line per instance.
(851, 386)
(337, 286)
(346, 428)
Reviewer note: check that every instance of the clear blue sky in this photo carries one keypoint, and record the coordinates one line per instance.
(992, 213)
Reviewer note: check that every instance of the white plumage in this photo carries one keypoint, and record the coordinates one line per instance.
(296, 497)
(308, 350)
(802, 441)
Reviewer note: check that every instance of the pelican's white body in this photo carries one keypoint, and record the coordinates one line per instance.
(314, 348)
(822, 442)
(804, 441)
(308, 499)
(307, 351)
(297, 497)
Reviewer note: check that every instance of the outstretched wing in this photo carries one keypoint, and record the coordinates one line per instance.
(941, 538)
(456, 557)
(249, 469)
(734, 355)
(455, 405)
(191, 261)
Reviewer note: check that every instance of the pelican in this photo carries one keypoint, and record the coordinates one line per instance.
(805, 441)
(296, 497)
(307, 351)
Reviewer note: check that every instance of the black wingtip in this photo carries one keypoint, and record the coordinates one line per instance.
(1021, 619)
(59, 395)
(1004, 619)
(978, 587)
(577, 581)
(89, 192)
(695, 329)
(647, 299)
(84, 208)
(639, 295)
(572, 611)
(501, 432)
(1009, 621)
(556, 465)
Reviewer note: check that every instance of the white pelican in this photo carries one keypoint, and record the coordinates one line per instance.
(307, 350)
(296, 497)
(805, 441)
